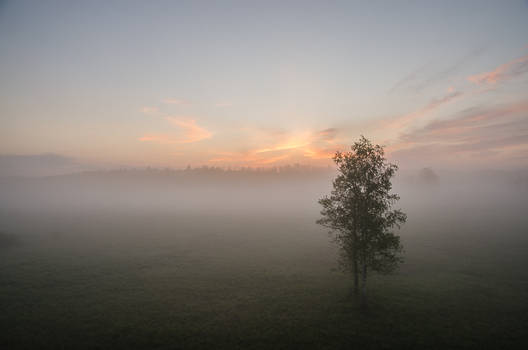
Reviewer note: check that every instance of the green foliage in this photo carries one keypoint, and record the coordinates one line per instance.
(359, 209)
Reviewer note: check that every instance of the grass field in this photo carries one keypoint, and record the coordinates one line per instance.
(127, 279)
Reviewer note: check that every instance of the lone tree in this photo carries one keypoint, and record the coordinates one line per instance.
(359, 213)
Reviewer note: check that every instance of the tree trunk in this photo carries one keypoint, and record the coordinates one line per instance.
(356, 273)
(364, 286)
(355, 262)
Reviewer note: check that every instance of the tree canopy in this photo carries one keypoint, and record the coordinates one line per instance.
(359, 211)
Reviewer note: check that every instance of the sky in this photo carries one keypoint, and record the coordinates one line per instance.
(265, 83)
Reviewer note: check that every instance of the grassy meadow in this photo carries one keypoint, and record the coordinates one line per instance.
(108, 276)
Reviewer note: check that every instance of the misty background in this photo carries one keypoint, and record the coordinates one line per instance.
(235, 255)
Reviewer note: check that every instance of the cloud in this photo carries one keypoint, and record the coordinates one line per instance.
(503, 72)
(308, 142)
(292, 142)
(189, 132)
(321, 153)
(436, 77)
(450, 70)
(405, 120)
(328, 134)
(470, 119)
(271, 160)
(412, 76)
(478, 132)
(281, 145)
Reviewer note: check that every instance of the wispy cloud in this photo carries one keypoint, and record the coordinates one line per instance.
(412, 76)
(401, 122)
(416, 82)
(503, 72)
(291, 142)
(467, 121)
(328, 134)
(485, 132)
(286, 146)
(321, 153)
(189, 132)
(271, 160)
(449, 70)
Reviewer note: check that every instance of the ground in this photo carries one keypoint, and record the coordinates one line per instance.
(154, 280)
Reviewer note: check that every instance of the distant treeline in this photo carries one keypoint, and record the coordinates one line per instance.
(198, 175)
(210, 175)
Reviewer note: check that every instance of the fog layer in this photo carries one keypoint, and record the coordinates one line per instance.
(151, 254)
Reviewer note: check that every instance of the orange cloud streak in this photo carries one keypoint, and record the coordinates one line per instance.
(190, 132)
(317, 145)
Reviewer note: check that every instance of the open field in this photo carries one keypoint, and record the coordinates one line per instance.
(108, 277)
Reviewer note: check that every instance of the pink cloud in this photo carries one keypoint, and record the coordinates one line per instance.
(280, 146)
(321, 153)
(189, 132)
(476, 132)
(503, 72)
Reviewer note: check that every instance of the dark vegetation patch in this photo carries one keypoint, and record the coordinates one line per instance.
(7, 240)
(146, 281)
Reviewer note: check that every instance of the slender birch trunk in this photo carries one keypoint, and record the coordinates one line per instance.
(364, 286)
(355, 253)
(356, 271)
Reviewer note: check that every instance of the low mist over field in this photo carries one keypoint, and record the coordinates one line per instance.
(209, 257)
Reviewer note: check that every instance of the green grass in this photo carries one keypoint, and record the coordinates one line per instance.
(127, 281)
